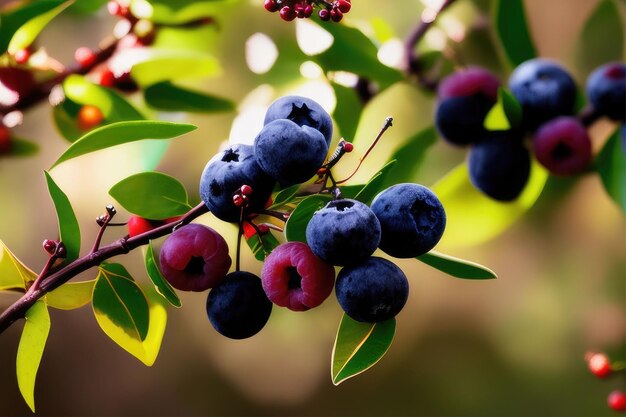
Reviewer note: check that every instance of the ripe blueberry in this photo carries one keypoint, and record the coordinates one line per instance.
(295, 278)
(343, 232)
(499, 165)
(302, 111)
(371, 291)
(544, 89)
(224, 175)
(412, 220)
(465, 98)
(194, 258)
(563, 146)
(138, 225)
(238, 307)
(617, 400)
(289, 153)
(606, 89)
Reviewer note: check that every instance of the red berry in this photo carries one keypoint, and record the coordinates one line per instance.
(85, 56)
(287, 14)
(344, 6)
(271, 6)
(116, 9)
(89, 117)
(50, 246)
(107, 78)
(336, 15)
(22, 56)
(15, 84)
(348, 147)
(238, 200)
(5, 139)
(263, 228)
(308, 10)
(599, 365)
(246, 189)
(324, 14)
(617, 400)
(138, 225)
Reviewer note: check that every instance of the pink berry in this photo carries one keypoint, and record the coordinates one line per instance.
(85, 56)
(308, 10)
(599, 365)
(295, 278)
(324, 15)
(617, 400)
(563, 146)
(22, 56)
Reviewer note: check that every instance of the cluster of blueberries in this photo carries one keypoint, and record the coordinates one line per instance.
(405, 220)
(499, 161)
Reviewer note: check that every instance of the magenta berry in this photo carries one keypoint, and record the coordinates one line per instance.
(194, 258)
(324, 15)
(336, 15)
(271, 6)
(295, 278)
(287, 13)
(343, 6)
(50, 246)
(563, 146)
(599, 365)
(617, 400)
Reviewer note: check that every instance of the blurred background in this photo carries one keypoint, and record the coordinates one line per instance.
(513, 346)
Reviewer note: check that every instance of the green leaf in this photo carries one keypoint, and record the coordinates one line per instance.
(13, 273)
(359, 346)
(166, 65)
(21, 147)
(347, 111)
(30, 350)
(152, 195)
(168, 97)
(456, 267)
(181, 11)
(39, 13)
(511, 27)
(65, 120)
(505, 114)
(593, 47)
(285, 196)
(611, 165)
(87, 6)
(71, 295)
(262, 246)
(120, 307)
(122, 132)
(375, 184)
(69, 230)
(295, 227)
(409, 157)
(472, 217)
(162, 286)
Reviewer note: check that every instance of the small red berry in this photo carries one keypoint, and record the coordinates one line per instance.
(348, 147)
(89, 117)
(238, 200)
(324, 14)
(5, 139)
(617, 400)
(287, 14)
(344, 5)
(50, 246)
(138, 225)
(107, 78)
(308, 10)
(599, 365)
(271, 6)
(263, 228)
(336, 15)
(246, 189)
(85, 56)
(116, 9)
(22, 56)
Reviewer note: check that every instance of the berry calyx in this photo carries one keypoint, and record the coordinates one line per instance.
(85, 57)
(599, 365)
(617, 400)
(89, 117)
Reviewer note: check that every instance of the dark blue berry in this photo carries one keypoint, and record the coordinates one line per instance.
(372, 291)
(412, 220)
(238, 307)
(606, 89)
(304, 112)
(544, 89)
(225, 174)
(343, 232)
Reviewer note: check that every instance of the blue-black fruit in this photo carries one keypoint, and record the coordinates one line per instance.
(304, 112)
(606, 89)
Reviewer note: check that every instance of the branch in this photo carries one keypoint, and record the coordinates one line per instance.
(414, 65)
(122, 246)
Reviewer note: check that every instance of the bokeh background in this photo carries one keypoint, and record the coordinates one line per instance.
(512, 346)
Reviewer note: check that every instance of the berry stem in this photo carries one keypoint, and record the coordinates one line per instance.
(103, 222)
(122, 246)
(239, 233)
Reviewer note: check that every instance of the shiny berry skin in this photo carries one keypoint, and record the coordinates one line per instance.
(138, 225)
(617, 400)
(271, 6)
(412, 220)
(303, 111)
(606, 90)
(194, 258)
(107, 78)
(287, 13)
(544, 89)
(295, 278)
(599, 365)
(50, 246)
(89, 117)
(15, 84)
(336, 15)
(238, 307)
(343, 232)
(464, 99)
(225, 174)
(562, 145)
(372, 291)
(22, 56)
(324, 14)
(343, 5)
(84, 56)
(5, 139)
(499, 165)
(289, 153)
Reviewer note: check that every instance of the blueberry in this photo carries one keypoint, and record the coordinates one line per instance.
(465, 98)
(412, 220)
(238, 308)
(289, 153)
(544, 89)
(343, 232)
(372, 291)
(304, 112)
(194, 258)
(499, 165)
(563, 146)
(225, 173)
(606, 90)
(295, 278)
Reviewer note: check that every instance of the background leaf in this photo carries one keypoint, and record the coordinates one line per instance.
(284, 196)
(375, 184)
(358, 346)
(28, 32)
(169, 97)
(347, 111)
(69, 230)
(512, 30)
(295, 227)
(181, 11)
(160, 283)
(30, 350)
(21, 147)
(71, 295)
(122, 132)
(152, 195)
(409, 157)
(505, 114)
(456, 267)
(166, 65)
(611, 165)
(13, 273)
